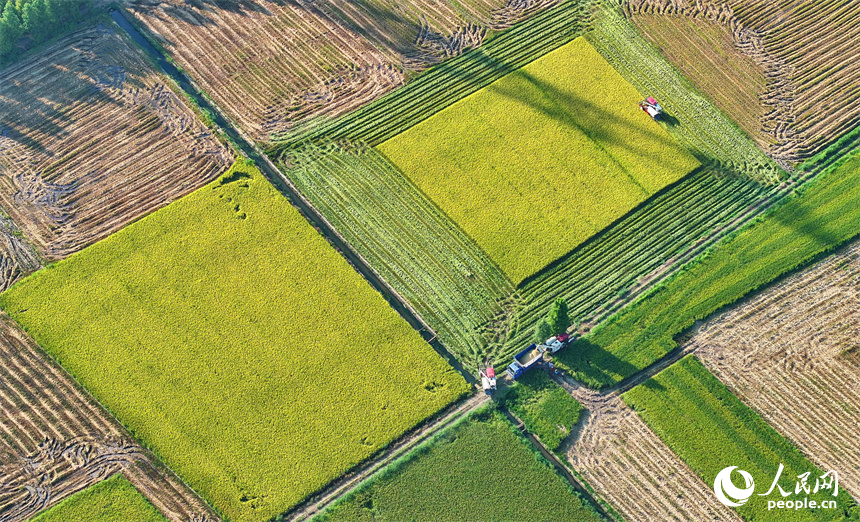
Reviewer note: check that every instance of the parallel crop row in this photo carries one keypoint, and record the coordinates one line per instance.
(817, 43)
(709, 428)
(823, 216)
(454, 79)
(277, 67)
(654, 235)
(700, 126)
(434, 266)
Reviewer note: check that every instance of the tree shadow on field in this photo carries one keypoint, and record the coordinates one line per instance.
(593, 365)
(38, 93)
(193, 12)
(601, 126)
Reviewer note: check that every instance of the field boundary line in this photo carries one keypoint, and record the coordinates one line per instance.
(352, 479)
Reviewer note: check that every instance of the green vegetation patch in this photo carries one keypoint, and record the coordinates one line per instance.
(111, 500)
(545, 408)
(230, 337)
(537, 162)
(480, 469)
(823, 216)
(710, 429)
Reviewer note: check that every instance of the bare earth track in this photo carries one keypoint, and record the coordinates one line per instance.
(789, 42)
(274, 66)
(56, 440)
(91, 138)
(787, 354)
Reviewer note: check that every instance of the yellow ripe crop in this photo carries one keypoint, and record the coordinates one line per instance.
(539, 161)
(230, 337)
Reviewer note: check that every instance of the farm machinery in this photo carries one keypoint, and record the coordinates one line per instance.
(488, 380)
(532, 355)
(651, 107)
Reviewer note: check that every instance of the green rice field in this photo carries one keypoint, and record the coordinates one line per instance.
(111, 500)
(480, 470)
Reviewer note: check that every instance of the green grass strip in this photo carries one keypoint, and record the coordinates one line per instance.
(710, 429)
(481, 469)
(824, 215)
(545, 408)
(111, 500)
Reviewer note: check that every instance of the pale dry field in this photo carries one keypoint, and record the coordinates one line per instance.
(274, 66)
(631, 468)
(92, 138)
(790, 353)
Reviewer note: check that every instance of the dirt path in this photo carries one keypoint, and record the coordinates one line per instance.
(56, 440)
(628, 465)
(351, 480)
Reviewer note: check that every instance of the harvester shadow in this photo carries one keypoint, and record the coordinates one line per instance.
(669, 120)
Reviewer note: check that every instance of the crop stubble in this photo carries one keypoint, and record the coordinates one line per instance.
(91, 138)
(783, 353)
(806, 51)
(629, 466)
(276, 66)
(55, 440)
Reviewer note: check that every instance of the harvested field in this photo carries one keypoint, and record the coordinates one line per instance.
(807, 53)
(55, 440)
(711, 136)
(237, 348)
(416, 249)
(784, 353)
(503, 162)
(710, 429)
(111, 500)
(17, 256)
(273, 66)
(630, 467)
(451, 81)
(92, 138)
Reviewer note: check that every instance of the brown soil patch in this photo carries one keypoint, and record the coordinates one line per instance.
(92, 138)
(56, 440)
(273, 66)
(785, 353)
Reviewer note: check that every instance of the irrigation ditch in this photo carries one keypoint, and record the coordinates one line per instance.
(247, 147)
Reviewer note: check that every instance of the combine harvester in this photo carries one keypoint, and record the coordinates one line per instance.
(650, 106)
(488, 380)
